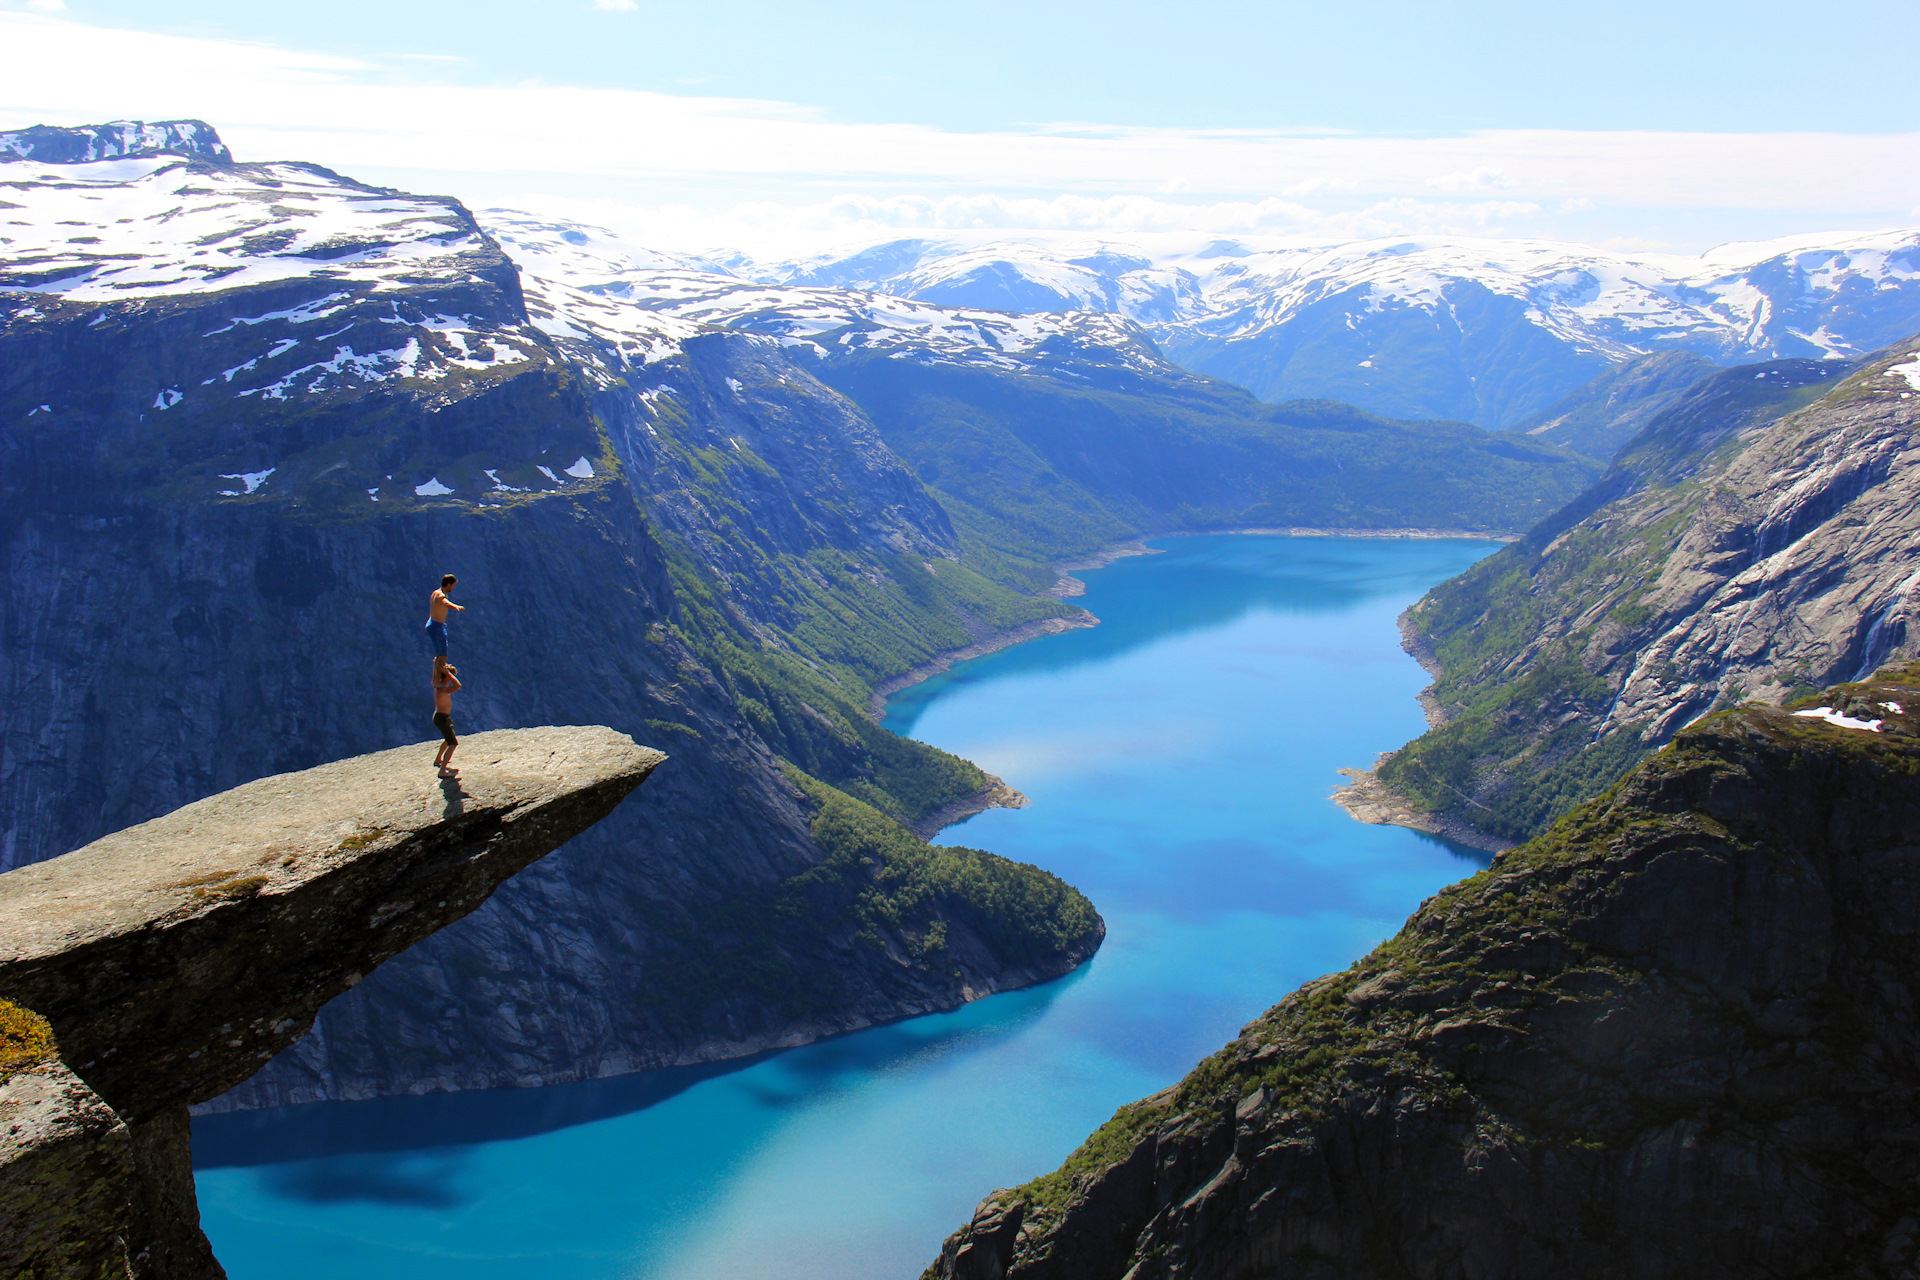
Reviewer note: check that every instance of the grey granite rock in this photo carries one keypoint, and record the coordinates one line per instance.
(1758, 540)
(175, 958)
(66, 1179)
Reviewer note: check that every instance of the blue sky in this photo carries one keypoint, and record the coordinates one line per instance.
(1677, 124)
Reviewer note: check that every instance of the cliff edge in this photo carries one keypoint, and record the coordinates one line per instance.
(162, 965)
(1672, 1037)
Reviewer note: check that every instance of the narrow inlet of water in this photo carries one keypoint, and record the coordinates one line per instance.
(1179, 759)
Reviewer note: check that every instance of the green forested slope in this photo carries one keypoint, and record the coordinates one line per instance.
(1034, 467)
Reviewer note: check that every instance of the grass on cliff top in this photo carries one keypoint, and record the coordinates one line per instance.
(26, 1041)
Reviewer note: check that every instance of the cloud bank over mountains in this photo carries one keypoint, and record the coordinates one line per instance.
(689, 171)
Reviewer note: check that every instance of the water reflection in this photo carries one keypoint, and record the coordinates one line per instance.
(343, 1136)
(1195, 584)
(420, 1180)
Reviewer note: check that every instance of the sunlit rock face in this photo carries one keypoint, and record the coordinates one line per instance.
(170, 961)
(1756, 541)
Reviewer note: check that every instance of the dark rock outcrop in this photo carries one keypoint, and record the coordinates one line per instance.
(1673, 1037)
(173, 959)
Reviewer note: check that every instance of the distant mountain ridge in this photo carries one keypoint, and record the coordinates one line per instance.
(1485, 331)
(1595, 419)
(119, 139)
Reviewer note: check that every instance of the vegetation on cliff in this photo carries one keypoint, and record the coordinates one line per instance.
(25, 1039)
(1034, 468)
(946, 914)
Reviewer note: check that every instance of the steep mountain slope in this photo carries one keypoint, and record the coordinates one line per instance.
(1757, 540)
(1046, 436)
(1486, 331)
(252, 411)
(1599, 417)
(1674, 1037)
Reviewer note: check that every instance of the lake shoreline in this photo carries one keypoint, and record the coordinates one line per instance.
(1371, 797)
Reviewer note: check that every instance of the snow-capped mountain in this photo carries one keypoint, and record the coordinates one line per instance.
(586, 284)
(140, 230)
(114, 140)
(1486, 330)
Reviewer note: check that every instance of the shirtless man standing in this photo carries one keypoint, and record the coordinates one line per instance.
(446, 683)
(437, 606)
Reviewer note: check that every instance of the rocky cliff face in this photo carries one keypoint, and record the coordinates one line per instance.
(1674, 1036)
(1757, 540)
(161, 965)
(247, 426)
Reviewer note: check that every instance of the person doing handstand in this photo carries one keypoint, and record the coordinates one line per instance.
(446, 683)
(438, 605)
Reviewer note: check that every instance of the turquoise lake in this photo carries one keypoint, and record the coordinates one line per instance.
(1179, 759)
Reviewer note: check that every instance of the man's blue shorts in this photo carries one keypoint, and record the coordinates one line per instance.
(437, 637)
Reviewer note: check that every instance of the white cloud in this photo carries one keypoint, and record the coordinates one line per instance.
(775, 229)
(484, 141)
(1484, 178)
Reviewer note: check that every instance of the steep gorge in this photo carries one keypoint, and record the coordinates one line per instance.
(247, 425)
(216, 529)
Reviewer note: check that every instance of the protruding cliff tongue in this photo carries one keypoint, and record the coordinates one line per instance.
(169, 961)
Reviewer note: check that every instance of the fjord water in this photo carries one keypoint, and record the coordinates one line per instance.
(1178, 759)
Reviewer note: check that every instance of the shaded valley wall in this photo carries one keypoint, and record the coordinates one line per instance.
(162, 642)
